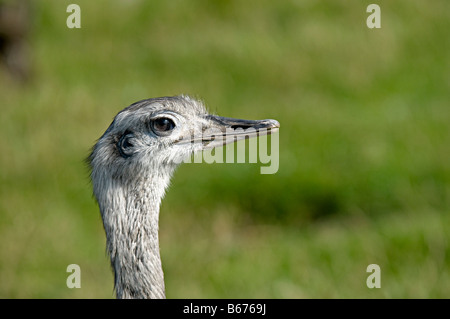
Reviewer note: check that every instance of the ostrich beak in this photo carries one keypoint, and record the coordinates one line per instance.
(225, 123)
(224, 130)
(218, 131)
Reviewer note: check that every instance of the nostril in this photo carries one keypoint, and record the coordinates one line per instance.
(243, 126)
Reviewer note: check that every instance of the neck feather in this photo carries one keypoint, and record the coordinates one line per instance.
(130, 213)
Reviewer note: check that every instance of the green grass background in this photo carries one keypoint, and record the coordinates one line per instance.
(364, 172)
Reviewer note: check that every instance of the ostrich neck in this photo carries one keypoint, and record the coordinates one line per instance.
(130, 219)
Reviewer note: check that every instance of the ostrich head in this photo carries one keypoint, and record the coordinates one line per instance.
(131, 167)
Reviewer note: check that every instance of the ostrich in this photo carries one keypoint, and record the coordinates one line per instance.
(131, 166)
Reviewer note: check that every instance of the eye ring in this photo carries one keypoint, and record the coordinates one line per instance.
(162, 126)
(125, 145)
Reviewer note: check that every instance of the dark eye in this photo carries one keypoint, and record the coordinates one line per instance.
(162, 126)
(125, 145)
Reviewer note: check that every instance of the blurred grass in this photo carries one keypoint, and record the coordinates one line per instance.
(364, 147)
